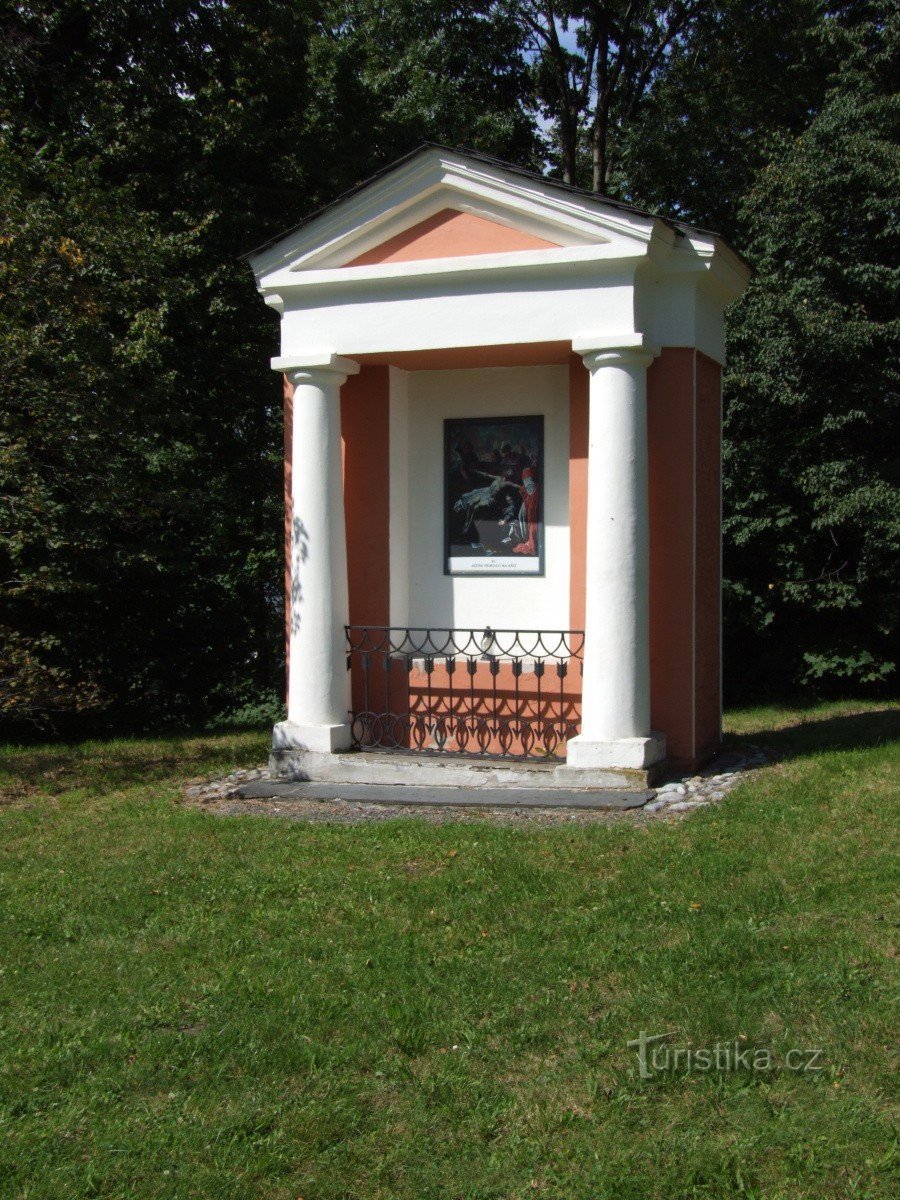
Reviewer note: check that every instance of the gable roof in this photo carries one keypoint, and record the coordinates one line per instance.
(679, 228)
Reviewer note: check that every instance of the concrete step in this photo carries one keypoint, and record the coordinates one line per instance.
(459, 797)
(393, 769)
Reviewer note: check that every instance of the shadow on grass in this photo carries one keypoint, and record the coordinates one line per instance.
(102, 767)
(850, 731)
(108, 766)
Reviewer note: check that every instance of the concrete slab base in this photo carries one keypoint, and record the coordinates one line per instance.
(633, 752)
(412, 770)
(457, 797)
(325, 739)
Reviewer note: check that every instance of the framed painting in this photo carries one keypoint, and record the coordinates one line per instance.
(493, 496)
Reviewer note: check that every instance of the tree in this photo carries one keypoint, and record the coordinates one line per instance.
(743, 71)
(813, 418)
(595, 63)
(130, 520)
(452, 71)
(144, 144)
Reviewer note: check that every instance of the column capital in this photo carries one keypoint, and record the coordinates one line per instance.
(617, 349)
(321, 364)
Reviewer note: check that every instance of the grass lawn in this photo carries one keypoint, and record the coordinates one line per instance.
(196, 1006)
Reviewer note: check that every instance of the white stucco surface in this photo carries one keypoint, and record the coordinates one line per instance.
(615, 694)
(432, 598)
(319, 691)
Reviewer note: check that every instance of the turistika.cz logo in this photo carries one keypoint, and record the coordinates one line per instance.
(656, 1055)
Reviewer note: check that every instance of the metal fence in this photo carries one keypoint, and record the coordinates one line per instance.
(485, 693)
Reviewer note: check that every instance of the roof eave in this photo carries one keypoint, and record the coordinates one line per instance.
(679, 228)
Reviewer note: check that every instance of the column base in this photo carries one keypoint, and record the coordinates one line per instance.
(325, 739)
(629, 753)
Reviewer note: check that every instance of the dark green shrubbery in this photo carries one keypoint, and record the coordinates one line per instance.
(812, 529)
(144, 145)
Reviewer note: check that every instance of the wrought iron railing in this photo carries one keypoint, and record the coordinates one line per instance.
(487, 693)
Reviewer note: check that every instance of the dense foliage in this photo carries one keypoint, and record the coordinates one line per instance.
(776, 122)
(813, 418)
(145, 143)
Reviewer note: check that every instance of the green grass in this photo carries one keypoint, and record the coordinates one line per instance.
(196, 1006)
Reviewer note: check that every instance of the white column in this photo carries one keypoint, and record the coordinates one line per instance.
(615, 717)
(318, 681)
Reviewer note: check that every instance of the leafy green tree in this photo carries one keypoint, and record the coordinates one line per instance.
(453, 71)
(813, 416)
(743, 71)
(144, 144)
(595, 63)
(119, 569)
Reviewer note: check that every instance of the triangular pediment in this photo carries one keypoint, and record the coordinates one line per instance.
(451, 234)
(442, 204)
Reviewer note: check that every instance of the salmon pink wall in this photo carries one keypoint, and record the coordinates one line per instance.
(684, 458)
(365, 438)
(531, 354)
(579, 382)
(708, 384)
(450, 234)
(683, 433)
(493, 698)
(670, 446)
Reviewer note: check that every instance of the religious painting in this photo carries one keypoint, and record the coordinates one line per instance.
(493, 496)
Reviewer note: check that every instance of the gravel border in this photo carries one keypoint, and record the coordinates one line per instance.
(675, 799)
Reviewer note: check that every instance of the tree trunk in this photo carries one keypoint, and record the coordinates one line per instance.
(568, 128)
(600, 128)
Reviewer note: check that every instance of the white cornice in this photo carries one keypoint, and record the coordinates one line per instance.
(598, 259)
(313, 362)
(438, 179)
(610, 274)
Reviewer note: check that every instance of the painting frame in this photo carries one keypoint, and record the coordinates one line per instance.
(494, 560)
